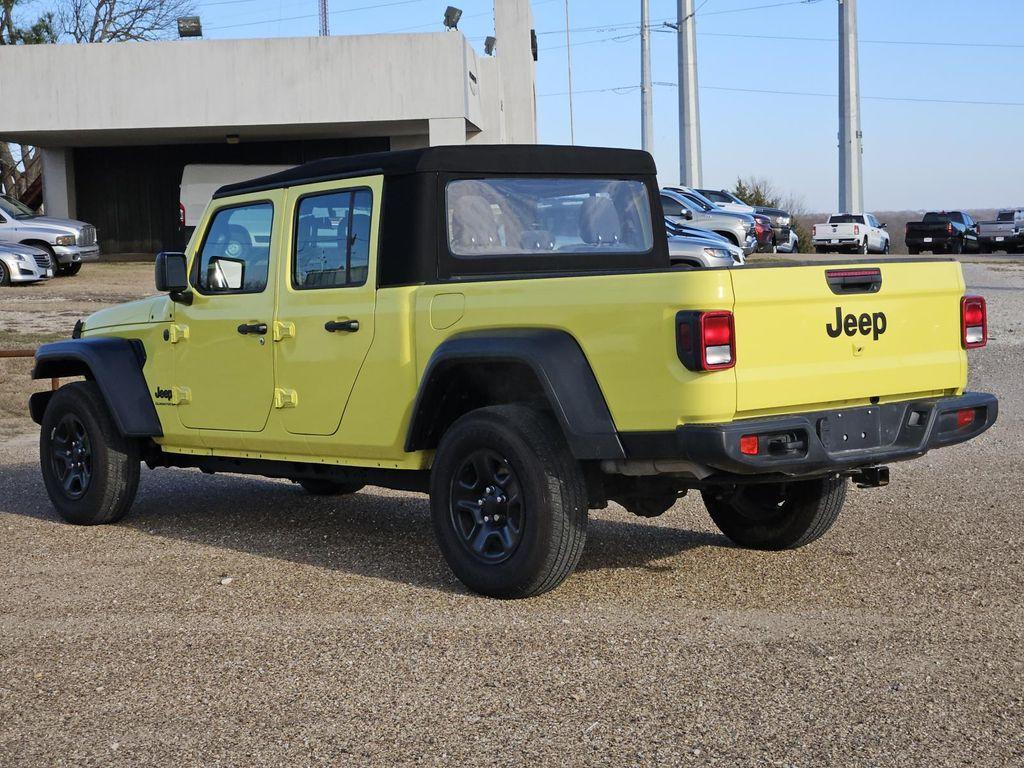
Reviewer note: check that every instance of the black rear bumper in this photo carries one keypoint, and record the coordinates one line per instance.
(812, 444)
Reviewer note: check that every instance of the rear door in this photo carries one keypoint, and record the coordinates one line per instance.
(325, 316)
(806, 342)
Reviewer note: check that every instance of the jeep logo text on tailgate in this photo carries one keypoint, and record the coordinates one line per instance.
(850, 324)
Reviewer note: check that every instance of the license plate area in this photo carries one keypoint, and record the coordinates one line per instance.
(851, 430)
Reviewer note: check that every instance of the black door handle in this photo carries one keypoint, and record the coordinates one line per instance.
(260, 329)
(351, 326)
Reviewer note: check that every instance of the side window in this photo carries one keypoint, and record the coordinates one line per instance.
(235, 255)
(671, 207)
(332, 239)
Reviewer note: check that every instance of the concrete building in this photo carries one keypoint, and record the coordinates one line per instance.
(117, 122)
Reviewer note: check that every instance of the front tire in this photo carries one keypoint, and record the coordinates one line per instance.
(69, 270)
(508, 502)
(90, 470)
(775, 516)
(5, 275)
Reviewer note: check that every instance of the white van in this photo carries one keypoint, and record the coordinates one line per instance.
(200, 181)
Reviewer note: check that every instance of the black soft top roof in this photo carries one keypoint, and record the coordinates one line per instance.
(493, 158)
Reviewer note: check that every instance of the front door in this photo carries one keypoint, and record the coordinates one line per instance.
(325, 323)
(223, 362)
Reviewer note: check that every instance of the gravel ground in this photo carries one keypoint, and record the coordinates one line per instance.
(234, 621)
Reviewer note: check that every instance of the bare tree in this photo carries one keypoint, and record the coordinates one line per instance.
(760, 191)
(102, 21)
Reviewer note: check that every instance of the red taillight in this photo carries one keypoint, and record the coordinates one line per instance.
(949, 227)
(706, 341)
(716, 333)
(973, 322)
(181, 214)
(748, 445)
(856, 229)
(964, 418)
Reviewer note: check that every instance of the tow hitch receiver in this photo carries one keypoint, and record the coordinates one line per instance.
(871, 477)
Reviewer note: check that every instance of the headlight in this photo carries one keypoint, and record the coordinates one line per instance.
(65, 240)
(20, 257)
(717, 253)
(783, 221)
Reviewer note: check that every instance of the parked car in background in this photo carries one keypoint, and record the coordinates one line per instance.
(68, 243)
(942, 232)
(727, 201)
(685, 208)
(790, 246)
(781, 222)
(1006, 233)
(200, 181)
(853, 232)
(23, 264)
(764, 234)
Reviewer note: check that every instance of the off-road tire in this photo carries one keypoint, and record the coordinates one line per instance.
(112, 459)
(321, 487)
(546, 491)
(747, 515)
(5, 275)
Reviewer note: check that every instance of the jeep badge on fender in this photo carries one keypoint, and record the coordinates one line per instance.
(850, 324)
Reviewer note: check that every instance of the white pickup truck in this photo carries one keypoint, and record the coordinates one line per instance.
(853, 232)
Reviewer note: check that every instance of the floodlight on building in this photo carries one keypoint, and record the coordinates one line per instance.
(452, 16)
(190, 26)
(489, 43)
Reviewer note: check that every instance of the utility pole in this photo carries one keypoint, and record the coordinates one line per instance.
(689, 105)
(851, 150)
(568, 61)
(646, 96)
(324, 26)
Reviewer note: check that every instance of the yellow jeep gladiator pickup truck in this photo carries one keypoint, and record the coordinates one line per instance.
(501, 327)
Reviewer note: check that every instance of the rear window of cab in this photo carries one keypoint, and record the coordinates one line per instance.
(523, 217)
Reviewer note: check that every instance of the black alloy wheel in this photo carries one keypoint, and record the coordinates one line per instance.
(71, 456)
(486, 507)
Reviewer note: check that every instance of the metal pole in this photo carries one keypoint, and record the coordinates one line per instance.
(325, 29)
(689, 105)
(851, 171)
(646, 96)
(568, 60)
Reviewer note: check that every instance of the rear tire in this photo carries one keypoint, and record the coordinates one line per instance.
(913, 251)
(864, 250)
(776, 516)
(90, 470)
(508, 501)
(320, 487)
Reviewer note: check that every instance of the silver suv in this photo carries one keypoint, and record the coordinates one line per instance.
(69, 243)
(682, 206)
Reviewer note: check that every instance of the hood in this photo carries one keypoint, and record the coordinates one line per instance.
(50, 225)
(151, 310)
(27, 250)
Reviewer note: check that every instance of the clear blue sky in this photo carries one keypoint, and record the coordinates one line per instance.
(916, 154)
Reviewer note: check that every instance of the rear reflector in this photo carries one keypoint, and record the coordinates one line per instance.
(973, 322)
(965, 417)
(748, 445)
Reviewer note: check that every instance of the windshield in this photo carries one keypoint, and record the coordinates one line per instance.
(846, 218)
(717, 197)
(14, 208)
(700, 203)
(1005, 216)
(525, 216)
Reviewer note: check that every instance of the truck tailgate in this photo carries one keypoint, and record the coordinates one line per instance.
(803, 343)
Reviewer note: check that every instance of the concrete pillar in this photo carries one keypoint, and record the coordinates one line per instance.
(513, 21)
(58, 182)
(447, 130)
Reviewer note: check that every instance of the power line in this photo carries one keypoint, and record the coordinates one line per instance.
(625, 89)
(929, 43)
(313, 15)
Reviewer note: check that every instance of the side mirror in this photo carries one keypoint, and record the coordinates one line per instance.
(884, 226)
(687, 214)
(171, 274)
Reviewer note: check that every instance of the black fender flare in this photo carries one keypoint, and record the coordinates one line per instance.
(561, 368)
(116, 367)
